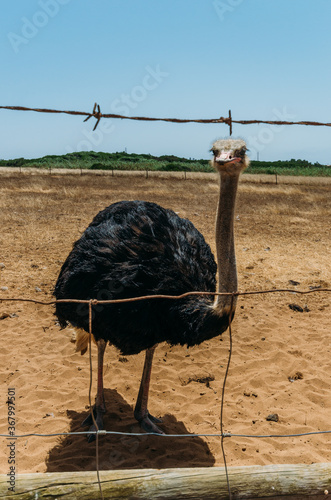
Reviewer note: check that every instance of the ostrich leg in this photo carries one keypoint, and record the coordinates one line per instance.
(145, 419)
(99, 408)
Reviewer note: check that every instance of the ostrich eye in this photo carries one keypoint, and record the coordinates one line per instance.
(240, 152)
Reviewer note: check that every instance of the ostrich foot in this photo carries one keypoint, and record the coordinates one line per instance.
(98, 416)
(147, 422)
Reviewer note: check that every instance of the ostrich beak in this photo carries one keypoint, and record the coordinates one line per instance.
(226, 157)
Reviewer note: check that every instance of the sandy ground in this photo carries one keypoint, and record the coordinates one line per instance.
(281, 361)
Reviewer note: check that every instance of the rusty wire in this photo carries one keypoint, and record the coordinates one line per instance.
(95, 302)
(97, 114)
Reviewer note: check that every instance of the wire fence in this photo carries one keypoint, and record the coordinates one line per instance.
(262, 179)
(97, 114)
(229, 121)
(222, 435)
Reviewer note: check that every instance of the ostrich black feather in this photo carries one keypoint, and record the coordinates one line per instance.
(136, 248)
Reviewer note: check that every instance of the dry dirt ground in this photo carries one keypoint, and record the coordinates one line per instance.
(281, 362)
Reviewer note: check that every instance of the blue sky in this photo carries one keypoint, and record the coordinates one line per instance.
(263, 59)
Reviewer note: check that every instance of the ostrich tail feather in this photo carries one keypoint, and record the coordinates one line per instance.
(82, 340)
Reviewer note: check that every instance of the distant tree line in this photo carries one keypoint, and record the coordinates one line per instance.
(130, 161)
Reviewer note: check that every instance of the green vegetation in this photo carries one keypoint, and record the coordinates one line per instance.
(124, 161)
(290, 167)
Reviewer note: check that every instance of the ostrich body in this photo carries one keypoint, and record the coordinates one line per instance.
(137, 248)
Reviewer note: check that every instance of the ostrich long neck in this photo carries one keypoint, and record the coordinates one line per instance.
(226, 258)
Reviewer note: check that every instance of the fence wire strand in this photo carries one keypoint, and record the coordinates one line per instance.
(222, 401)
(97, 114)
(139, 434)
(90, 402)
(160, 296)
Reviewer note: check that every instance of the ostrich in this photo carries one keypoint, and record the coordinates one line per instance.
(137, 248)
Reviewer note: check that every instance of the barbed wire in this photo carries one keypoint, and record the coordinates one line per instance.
(97, 114)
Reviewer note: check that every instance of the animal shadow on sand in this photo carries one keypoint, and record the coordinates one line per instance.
(74, 453)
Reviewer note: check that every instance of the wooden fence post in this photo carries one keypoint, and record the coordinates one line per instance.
(253, 482)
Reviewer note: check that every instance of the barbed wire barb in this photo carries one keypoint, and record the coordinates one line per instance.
(97, 114)
(230, 121)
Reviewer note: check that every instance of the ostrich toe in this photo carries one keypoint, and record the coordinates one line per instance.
(98, 416)
(148, 423)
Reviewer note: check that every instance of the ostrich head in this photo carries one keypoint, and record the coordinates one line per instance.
(229, 156)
